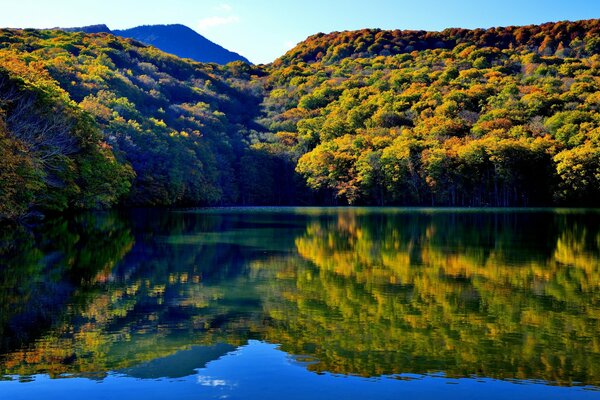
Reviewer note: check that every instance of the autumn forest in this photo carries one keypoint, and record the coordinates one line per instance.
(498, 117)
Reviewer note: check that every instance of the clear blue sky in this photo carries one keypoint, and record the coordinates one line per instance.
(262, 30)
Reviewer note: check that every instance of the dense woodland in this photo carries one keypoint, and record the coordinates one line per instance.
(498, 117)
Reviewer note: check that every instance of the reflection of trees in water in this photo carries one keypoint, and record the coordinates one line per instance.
(139, 303)
(500, 295)
(40, 275)
(507, 295)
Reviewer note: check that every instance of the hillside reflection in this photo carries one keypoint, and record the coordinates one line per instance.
(508, 295)
(504, 296)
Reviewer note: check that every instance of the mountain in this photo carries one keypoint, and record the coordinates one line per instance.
(181, 41)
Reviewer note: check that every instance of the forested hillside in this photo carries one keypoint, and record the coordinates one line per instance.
(499, 117)
(181, 126)
(52, 155)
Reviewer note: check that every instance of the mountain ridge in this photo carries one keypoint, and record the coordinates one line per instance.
(351, 43)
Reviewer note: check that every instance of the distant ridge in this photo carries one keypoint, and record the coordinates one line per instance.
(175, 39)
(182, 41)
(543, 39)
(99, 28)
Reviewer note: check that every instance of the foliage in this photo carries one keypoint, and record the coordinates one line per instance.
(458, 117)
(174, 127)
(497, 117)
(565, 38)
(51, 153)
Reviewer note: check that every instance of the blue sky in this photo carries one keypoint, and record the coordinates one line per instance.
(262, 30)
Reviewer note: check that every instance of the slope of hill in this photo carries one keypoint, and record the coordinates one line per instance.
(505, 116)
(180, 125)
(52, 156)
(181, 41)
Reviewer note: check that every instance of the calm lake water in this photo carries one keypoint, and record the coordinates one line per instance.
(286, 303)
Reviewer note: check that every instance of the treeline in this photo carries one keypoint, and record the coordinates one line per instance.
(498, 117)
(565, 38)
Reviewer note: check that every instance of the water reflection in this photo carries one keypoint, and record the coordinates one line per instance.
(498, 295)
(505, 295)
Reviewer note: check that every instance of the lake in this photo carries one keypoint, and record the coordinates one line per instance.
(296, 303)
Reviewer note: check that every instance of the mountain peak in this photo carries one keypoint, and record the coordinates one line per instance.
(182, 41)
